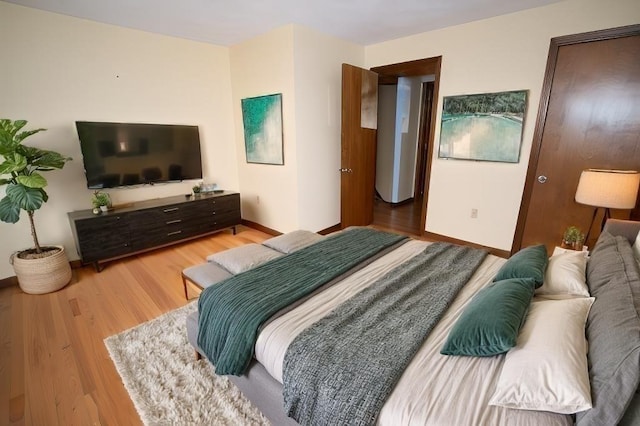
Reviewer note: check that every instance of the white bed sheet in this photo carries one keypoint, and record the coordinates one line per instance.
(435, 389)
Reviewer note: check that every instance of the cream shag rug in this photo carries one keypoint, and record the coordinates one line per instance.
(167, 385)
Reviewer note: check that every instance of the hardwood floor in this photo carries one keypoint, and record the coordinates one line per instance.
(54, 367)
(404, 218)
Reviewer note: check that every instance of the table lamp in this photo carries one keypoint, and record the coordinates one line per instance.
(608, 189)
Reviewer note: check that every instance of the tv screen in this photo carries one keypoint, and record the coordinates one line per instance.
(121, 154)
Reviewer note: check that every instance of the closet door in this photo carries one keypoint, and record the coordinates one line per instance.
(589, 117)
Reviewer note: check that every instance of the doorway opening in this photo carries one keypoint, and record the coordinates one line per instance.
(407, 100)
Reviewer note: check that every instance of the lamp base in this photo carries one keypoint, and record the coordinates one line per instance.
(605, 216)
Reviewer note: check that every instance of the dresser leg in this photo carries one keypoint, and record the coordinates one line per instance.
(98, 266)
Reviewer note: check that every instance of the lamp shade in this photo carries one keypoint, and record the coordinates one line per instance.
(614, 189)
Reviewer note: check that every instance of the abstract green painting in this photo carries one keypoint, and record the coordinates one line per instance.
(262, 119)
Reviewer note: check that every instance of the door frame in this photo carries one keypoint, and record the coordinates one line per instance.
(422, 153)
(536, 146)
(427, 66)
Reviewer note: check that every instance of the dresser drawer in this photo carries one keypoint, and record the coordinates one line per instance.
(103, 237)
(164, 234)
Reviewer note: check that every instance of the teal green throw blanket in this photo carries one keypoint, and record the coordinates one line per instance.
(231, 312)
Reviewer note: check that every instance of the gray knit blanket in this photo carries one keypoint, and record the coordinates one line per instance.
(341, 370)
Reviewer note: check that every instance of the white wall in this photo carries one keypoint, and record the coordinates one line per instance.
(398, 122)
(264, 66)
(503, 53)
(59, 69)
(386, 140)
(318, 89)
(409, 139)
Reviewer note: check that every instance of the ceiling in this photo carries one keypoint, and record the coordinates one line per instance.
(228, 22)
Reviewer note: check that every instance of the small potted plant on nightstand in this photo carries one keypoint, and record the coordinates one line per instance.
(196, 190)
(573, 238)
(101, 200)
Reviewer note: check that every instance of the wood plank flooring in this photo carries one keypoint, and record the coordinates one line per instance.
(403, 219)
(54, 367)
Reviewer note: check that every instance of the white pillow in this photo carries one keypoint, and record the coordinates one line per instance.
(560, 250)
(547, 370)
(565, 275)
(636, 248)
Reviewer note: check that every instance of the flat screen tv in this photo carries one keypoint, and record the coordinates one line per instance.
(122, 154)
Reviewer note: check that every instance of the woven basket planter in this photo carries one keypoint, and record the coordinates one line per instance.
(44, 275)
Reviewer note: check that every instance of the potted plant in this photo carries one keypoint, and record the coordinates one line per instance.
(40, 269)
(573, 238)
(197, 189)
(101, 200)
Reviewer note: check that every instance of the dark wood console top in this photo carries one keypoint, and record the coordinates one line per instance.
(146, 204)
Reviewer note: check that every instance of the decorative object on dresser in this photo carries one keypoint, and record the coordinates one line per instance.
(100, 200)
(608, 189)
(39, 269)
(147, 225)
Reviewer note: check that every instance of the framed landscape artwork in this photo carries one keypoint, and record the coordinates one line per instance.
(262, 120)
(483, 127)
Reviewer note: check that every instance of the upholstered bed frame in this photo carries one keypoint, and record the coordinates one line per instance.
(267, 393)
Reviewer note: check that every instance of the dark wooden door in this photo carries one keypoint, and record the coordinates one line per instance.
(358, 160)
(589, 118)
(423, 140)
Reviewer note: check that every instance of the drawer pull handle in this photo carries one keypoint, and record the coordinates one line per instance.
(213, 213)
(174, 233)
(169, 222)
(173, 209)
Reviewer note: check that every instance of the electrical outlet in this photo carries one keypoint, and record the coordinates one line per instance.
(474, 213)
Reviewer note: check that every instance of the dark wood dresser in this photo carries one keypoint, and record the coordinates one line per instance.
(147, 225)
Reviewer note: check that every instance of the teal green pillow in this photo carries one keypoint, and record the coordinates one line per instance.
(490, 323)
(530, 262)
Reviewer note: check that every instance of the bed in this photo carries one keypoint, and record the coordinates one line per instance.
(439, 389)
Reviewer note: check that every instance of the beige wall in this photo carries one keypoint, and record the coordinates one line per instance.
(264, 66)
(305, 66)
(318, 79)
(503, 53)
(59, 69)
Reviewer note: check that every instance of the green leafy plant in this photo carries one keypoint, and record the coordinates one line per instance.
(21, 173)
(573, 237)
(100, 198)
(196, 189)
